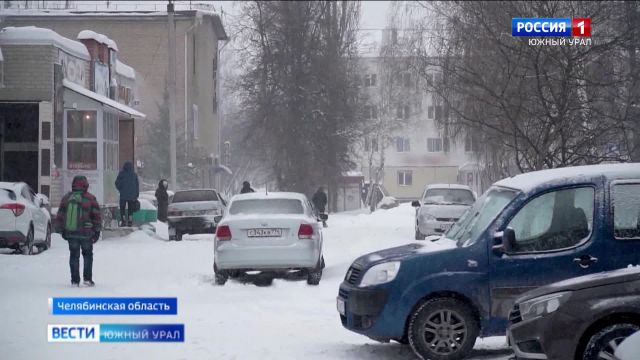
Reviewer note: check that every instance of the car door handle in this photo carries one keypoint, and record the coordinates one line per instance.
(585, 261)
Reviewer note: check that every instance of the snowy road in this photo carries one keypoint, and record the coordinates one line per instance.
(288, 320)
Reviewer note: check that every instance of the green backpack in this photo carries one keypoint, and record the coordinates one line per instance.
(74, 211)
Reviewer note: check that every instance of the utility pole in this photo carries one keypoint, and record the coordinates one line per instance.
(172, 93)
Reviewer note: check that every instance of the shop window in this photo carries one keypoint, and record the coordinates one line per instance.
(82, 155)
(81, 124)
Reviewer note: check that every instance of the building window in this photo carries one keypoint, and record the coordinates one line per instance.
(405, 178)
(46, 130)
(406, 80)
(402, 144)
(438, 112)
(370, 80)
(371, 144)
(45, 162)
(434, 145)
(81, 124)
(403, 112)
(470, 145)
(371, 112)
(82, 155)
(430, 112)
(110, 133)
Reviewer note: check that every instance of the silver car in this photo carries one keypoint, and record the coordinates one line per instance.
(274, 232)
(194, 212)
(440, 207)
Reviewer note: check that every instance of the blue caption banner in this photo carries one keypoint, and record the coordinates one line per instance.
(541, 27)
(110, 333)
(113, 306)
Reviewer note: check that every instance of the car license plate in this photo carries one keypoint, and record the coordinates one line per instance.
(264, 232)
(341, 306)
(445, 227)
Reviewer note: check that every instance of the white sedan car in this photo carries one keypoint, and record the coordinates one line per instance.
(440, 207)
(273, 233)
(25, 222)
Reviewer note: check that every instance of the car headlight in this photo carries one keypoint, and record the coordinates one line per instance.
(543, 305)
(427, 217)
(380, 274)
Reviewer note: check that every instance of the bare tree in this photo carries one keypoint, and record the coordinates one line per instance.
(530, 107)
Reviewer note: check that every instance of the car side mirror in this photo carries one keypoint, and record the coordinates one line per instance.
(504, 241)
(323, 217)
(415, 203)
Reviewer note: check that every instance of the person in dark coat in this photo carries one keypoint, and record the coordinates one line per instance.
(81, 228)
(129, 188)
(319, 201)
(163, 199)
(246, 188)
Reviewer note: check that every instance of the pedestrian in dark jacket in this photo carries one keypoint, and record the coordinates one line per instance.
(163, 200)
(79, 221)
(246, 188)
(319, 201)
(129, 188)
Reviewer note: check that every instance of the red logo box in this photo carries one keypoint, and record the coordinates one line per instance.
(581, 27)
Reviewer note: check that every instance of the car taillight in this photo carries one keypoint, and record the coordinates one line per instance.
(17, 209)
(305, 231)
(223, 233)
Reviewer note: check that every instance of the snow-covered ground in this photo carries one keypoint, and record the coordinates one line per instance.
(288, 320)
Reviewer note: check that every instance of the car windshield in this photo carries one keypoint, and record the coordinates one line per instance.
(476, 219)
(448, 197)
(266, 206)
(195, 195)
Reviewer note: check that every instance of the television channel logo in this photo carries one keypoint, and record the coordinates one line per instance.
(561, 27)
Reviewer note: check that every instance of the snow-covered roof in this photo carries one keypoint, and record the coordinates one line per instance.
(102, 39)
(125, 70)
(529, 181)
(31, 35)
(103, 99)
(448, 186)
(269, 195)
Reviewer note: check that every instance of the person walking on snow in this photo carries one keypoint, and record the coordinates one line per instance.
(319, 201)
(79, 222)
(129, 188)
(163, 200)
(246, 188)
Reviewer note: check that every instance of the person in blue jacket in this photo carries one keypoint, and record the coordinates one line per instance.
(129, 188)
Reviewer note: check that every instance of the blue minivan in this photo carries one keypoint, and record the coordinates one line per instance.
(524, 232)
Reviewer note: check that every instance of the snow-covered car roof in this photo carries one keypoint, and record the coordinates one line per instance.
(269, 195)
(447, 186)
(178, 191)
(573, 174)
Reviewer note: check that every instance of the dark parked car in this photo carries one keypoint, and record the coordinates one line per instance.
(524, 232)
(195, 212)
(583, 318)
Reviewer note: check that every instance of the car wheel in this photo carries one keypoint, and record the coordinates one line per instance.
(47, 240)
(221, 278)
(27, 248)
(603, 344)
(442, 329)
